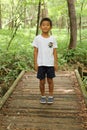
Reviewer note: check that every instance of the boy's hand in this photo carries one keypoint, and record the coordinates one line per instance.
(55, 60)
(56, 67)
(35, 58)
(36, 67)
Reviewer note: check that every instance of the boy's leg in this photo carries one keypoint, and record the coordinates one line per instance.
(41, 77)
(50, 76)
(51, 86)
(42, 90)
(42, 87)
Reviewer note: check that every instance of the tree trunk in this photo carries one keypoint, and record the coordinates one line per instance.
(80, 21)
(0, 16)
(38, 17)
(44, 10)
(11, 23)
(73, 24)
(25, 20)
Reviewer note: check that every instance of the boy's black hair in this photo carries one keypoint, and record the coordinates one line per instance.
(46, 19)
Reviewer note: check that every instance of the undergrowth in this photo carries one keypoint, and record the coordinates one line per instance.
(19, 55)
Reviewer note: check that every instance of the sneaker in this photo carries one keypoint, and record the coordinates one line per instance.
(43, 100)
(50, 100)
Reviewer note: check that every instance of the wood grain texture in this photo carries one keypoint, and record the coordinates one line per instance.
(23, 111)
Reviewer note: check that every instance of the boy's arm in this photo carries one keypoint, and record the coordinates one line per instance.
(35, 58)
(55, 59)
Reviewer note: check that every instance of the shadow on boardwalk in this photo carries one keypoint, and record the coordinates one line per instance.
(22, 111)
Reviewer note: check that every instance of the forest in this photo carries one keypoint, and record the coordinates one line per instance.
(19, 24)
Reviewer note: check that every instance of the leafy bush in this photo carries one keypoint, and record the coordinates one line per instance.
(19, 55)
(76, 55)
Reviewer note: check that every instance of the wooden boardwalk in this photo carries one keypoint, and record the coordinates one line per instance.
(22, 110)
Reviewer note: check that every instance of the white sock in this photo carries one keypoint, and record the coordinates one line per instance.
(50, 96)
(43, 96)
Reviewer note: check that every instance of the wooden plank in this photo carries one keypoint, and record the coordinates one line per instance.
(8, 93)
(42, 122)
(22, 110)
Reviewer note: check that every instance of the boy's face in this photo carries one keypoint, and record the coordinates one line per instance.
(45, 26)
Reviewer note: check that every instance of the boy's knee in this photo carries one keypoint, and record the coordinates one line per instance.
(42, 82)
(50, 81)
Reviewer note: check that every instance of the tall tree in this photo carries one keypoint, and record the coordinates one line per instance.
(44, 10)
(73, 24)
(38, 16)
(12, 14)
(0, 16)
(80, 17)
(25, 20)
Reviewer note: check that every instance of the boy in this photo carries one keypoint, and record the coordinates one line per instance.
(45, 59)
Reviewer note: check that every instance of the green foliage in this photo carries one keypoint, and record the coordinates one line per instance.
(19, 57)
(69, 56)
(76, 55)
(73, 56)
(85, 82)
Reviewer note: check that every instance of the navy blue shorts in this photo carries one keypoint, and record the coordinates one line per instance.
(45, 71)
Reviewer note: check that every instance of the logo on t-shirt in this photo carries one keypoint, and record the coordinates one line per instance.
(50, 44)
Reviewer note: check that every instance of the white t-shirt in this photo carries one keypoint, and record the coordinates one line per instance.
(45, 50)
